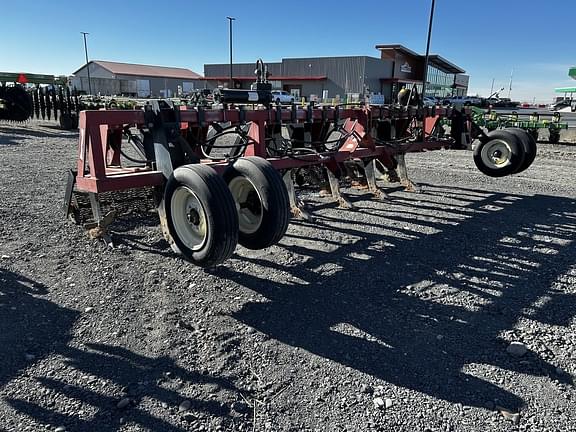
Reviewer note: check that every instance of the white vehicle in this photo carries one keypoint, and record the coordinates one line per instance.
(565, 105)
(462, 100)
(282, 96)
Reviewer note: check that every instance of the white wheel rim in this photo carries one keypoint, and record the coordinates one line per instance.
(248, 204)
(496, 154)
(189, 218)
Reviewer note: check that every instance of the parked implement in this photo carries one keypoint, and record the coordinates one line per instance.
(532, 123)
(224, 174)
(15, 103)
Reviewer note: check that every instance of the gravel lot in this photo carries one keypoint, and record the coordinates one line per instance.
(397, 317)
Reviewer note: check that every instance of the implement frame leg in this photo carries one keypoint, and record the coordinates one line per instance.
(335, 189)
(296, 206)
(370, 171)
(409, 185)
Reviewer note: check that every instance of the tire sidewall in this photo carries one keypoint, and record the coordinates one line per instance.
(529, 145)
(189, 178)
(273, 200)
(219, 211)
(517, 155)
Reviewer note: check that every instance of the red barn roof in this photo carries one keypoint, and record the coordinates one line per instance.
(145, 70)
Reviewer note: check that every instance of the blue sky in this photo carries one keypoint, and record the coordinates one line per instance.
(488, 38)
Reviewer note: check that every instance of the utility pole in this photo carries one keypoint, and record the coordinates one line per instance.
(510, 86)
(425, 77)
(87, 67)
(230, 19)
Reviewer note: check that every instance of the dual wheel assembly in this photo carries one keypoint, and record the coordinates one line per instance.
(208, 214)
(505, 151)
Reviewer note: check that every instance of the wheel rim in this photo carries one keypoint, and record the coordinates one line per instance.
(248, 204)
(189, 218)
(496, 154)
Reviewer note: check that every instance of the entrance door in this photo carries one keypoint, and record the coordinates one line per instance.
(294, 89)
(143, 88)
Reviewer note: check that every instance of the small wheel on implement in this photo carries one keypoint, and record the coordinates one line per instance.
(261, 201)
(200, 214)
(529, 145)
(499, 155)
(68, 121)
(554, 137)
(534, 134)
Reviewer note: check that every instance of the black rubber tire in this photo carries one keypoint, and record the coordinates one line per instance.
(272, 197)
(516, 154)
(530, 147)
(19, 106)
(219, 209)
(68, 121)
(65, 121)
(534, 134)
(554, 137)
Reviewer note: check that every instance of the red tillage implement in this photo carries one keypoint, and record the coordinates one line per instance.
(225, 176)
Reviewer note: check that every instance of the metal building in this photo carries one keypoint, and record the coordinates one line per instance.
(350, 76)
(113, 78)
(321, 77)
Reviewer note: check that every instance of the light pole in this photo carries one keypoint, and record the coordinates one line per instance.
(230, 19)
(425, 77)
(87, 66)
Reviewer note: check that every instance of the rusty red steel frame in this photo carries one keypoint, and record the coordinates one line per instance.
(99, 166)
(225, 175)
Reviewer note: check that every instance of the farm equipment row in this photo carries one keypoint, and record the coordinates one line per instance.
(19, 104)
(15, 103)
(226, 175)
(532, 123)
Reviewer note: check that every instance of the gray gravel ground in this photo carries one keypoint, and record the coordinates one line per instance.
(396, 317)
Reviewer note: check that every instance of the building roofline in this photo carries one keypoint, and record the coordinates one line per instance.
(445, 64)
(242, 64)
(329, 57)
(436, 59)
(397, 47)
(106, 65)
(270, 78)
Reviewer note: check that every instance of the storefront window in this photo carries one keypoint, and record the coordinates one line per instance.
(440, 84)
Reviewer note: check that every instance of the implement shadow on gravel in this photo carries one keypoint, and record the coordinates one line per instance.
(8, 137)
(30, 326)
(21, 132)
(143, 379)
(13, 136)
(414, 308)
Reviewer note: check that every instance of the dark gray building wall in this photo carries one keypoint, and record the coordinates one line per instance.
(239, 69)
(375, 70)
(344, 74)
